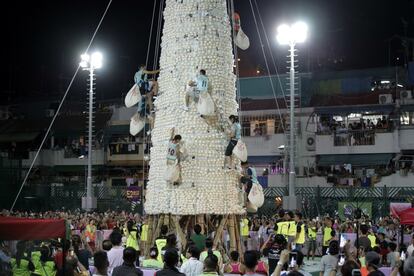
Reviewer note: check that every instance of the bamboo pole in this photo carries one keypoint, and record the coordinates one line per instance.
(232, 233)
(158, 228)
(200, 221)
(180, 233)
(238, 239)
(219, 231)
(147, 244)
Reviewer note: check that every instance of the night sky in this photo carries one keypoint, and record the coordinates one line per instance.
(43, 40)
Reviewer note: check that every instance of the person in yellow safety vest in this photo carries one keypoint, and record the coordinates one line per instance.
(152, 262)
(244, 229)
(371, 236)
(132, 235)
(291, 235)
(21, 265)
(281, 226)
(144, 236)
(44, 265)
(312, 230)
(161, 242)
(300, 232)
(328, 234)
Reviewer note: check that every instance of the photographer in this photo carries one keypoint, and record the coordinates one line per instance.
(272, 248)
(290, 263)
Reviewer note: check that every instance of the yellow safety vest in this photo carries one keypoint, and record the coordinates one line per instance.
(151, 263)
(327, 235)
(245, 228)
(301, 237)
(132, 239)
(291, 228)
(160, 243)
(373, 240)
(144, 232)
(22, 269)
(312, 233)
(284, 228)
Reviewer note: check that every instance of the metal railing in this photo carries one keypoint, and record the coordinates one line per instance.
(315, 201)
(354, 137)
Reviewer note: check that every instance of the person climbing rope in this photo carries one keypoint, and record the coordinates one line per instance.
(146, 89)
(195, 88)
(173, 158)
(235, 135)
(249, 177)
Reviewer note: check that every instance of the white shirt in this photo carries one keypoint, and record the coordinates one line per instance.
(192, 267)
(115, 257)
(410, 249)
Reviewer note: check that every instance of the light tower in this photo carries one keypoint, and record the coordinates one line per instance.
(196, 35)
(290, 35)
(90, 63)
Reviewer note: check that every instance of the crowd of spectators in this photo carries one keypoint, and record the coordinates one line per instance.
(279, 245)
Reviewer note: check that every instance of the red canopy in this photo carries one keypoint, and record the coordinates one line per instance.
(12, 228)
(407, 216)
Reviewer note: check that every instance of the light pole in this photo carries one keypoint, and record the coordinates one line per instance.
(90, 63)
(290, 35)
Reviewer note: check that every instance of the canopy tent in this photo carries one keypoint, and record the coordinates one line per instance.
(12, 228)
(406, 217)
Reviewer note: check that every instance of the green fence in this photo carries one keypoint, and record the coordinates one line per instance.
(317, 201)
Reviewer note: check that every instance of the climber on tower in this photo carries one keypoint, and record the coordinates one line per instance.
(173, 153)
(145, 88)
(235, 135)
(195, 88)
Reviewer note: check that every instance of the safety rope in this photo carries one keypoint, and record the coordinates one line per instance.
(236, 61)
(270, 51)
(150, 36)
(58, 109)
(267, 66)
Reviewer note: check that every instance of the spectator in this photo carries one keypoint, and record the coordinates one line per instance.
(153, 262)
(393, 255)
(272, 248)
(100, 260)
(363, 240)
(250, 263)
(209, 246)
(193, 267)
(409, 266)
(115, 255)
(170, 263)
(198, 238)
(128, 266)
(372, 260)
(410, 248)
(234, 266)
(211, 264)
(330, 261)
(83, 254)
(106, 245)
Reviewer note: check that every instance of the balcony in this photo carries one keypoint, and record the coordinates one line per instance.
(265, 145)
(357, 142)
(125, 153)
(52, 158)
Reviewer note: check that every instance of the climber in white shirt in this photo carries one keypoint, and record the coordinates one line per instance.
(173, 152)
(235, 135)
(195, 88)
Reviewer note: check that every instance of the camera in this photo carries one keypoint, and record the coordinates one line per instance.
(292, 259)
